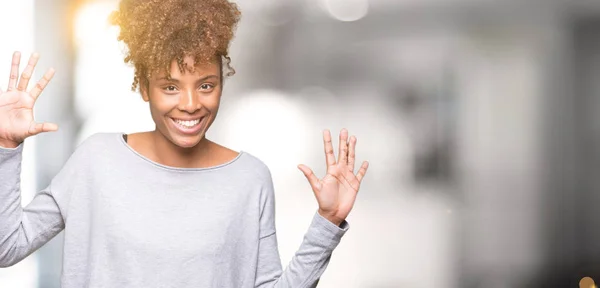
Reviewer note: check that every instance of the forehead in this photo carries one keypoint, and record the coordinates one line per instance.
(192, 69)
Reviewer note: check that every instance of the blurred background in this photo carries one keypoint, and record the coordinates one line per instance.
(480, 119)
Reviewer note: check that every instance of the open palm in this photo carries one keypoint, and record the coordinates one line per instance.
(336, 192)
(16, 104)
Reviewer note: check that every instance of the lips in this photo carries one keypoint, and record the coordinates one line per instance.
(188, 126)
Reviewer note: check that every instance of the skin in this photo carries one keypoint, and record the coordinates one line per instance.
(187, 95)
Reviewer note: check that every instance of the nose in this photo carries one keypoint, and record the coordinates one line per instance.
(189, 102)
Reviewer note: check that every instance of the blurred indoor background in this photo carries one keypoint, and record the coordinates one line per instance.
(480, 118)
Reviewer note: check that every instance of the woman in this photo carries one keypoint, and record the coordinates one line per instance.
(169, 207)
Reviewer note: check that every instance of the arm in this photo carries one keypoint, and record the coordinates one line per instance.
(336, 194)
(23, 230)
(311, 259)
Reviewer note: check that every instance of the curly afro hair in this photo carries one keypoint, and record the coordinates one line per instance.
(156, 32)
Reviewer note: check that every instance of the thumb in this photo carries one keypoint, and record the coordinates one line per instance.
(311, 177)
(37, 128)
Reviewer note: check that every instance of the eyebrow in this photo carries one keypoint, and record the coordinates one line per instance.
(199, 80)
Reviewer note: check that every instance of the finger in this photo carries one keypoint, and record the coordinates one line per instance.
(39, 87)
(311, 177)
(329, 157)
(37, 128)
(14, 71)
(351, 154)
(24, 81)
(343, 150)
(362, 171)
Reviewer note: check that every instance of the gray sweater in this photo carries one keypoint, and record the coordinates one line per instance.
(131, 222)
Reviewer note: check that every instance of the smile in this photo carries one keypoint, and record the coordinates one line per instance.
(186, 123)
(188, 127)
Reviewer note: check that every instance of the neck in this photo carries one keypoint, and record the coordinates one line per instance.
(172, 155)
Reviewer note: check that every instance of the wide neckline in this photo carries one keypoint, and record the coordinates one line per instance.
(172, 168)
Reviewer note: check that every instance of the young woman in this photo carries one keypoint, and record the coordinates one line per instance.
(169, 207)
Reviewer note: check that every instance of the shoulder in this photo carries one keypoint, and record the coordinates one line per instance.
(245, 162)
(220, 154)
(95, 145)
(255, 165)
(99, 137)
(84, 160)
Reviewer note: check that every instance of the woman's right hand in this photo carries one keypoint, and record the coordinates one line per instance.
(16, 104)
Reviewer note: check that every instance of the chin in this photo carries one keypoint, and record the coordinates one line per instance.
(186, 141)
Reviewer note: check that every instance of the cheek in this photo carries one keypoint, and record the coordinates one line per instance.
(212, 103)
(158, 110)
(162, 103)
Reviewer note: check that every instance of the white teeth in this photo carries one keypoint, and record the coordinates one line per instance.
(191, 123)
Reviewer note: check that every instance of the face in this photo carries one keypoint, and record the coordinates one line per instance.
(184, 106)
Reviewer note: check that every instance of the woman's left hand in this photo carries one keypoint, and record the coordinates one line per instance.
(336, 192)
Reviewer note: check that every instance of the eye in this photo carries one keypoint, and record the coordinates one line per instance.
(170, 88)
(206, 87)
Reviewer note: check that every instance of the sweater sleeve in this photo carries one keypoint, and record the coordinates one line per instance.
(23, 230)
(311, 259)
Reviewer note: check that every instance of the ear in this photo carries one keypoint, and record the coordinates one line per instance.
(144, 87)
